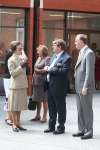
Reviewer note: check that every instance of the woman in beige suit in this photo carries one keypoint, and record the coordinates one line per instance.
(17, 99)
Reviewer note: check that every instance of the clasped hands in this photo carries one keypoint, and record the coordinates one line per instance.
(23, 64)
(46, 68)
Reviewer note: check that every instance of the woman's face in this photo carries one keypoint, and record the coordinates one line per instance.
(19, 49)
(39, 52)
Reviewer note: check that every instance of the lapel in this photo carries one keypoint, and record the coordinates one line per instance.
(80, 58)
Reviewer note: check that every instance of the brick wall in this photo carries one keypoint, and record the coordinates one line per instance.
(75, 5)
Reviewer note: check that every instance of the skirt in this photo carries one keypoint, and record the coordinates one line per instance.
(17, 99)
(38, 93)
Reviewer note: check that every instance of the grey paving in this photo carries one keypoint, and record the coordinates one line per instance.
(35, 139)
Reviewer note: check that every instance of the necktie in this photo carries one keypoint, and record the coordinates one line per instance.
(79, 59)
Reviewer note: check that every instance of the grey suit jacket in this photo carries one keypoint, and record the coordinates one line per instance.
(84, 71)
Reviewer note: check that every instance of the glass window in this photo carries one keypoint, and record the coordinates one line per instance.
(12, 25)
(11, 28)
(53, 19)
(50, 35)
(8, 17)
(83, 21)
(20, 31)
(95, 41)
(53, 25)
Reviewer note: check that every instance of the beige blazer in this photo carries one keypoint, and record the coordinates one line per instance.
(18, 78)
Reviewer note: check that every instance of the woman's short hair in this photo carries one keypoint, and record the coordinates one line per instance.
(13, 45)
(43, 49)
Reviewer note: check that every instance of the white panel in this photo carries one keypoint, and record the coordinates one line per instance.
(31, 3)
(41, 3)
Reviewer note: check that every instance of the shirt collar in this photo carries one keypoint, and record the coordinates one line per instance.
(59, 54)
(82, 50)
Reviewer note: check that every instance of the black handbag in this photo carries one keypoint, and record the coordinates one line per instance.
(32, 104)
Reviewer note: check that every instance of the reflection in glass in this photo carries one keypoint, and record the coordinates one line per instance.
(83, 21)
(8, 17)
(53, 19)
(50, 35)
(11, 28)
(53, 25)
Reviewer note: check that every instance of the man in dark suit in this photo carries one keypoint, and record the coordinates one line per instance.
(57, 78)
(85, 86)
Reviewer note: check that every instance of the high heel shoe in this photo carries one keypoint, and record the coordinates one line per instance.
(9, 122)
(15, 129)
(21, 128)
(43, 120)
(35, 119)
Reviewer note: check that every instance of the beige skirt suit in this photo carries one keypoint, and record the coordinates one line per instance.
(17, 97)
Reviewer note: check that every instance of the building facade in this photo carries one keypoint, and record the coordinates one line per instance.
(36, 22)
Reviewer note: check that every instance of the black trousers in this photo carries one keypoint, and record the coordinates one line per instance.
(57, 106)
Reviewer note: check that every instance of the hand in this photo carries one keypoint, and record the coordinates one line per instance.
(46, 68)
(23, 64)
(23, 56)
(84, 91)
(59, 65)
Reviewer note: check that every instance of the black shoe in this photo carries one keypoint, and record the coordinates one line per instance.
(35, 119)
(78, 134)
(9, 122)
(49, 130)
(87, 136)
(15, 129)
(56, 132)
(61, 127)
(22, 129)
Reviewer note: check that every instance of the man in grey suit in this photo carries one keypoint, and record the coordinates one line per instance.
(85, 86)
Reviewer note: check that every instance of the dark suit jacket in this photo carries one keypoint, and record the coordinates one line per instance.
(59, 74)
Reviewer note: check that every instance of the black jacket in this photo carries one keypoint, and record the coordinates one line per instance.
(59, 74)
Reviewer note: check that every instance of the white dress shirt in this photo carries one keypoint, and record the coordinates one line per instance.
(57, 56)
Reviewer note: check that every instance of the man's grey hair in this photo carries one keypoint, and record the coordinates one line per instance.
(83, 37)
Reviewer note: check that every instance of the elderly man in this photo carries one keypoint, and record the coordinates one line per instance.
(84, 85)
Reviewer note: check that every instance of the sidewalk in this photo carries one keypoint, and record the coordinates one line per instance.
(34, 138)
